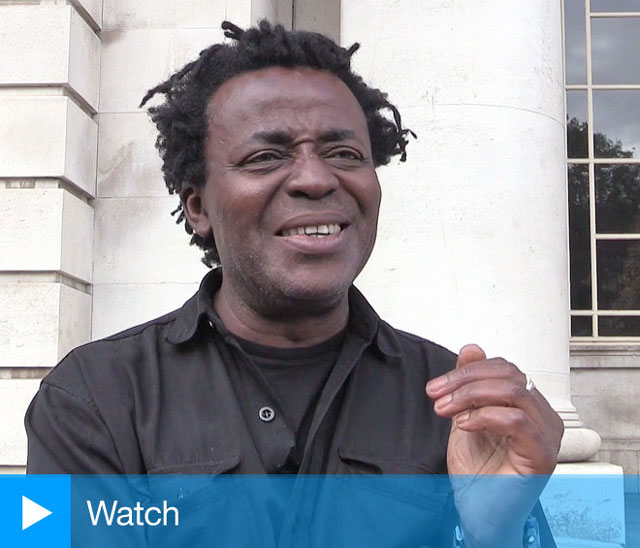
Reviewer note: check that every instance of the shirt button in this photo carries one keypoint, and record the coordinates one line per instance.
(266, 414)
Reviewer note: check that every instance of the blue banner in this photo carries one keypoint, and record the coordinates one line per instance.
(290, 511)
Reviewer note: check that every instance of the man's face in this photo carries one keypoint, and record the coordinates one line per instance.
(291, 196)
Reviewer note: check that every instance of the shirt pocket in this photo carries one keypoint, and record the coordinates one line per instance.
(213, 505)
(386, 502)
(186, 484)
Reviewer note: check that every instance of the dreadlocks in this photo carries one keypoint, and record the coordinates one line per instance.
(182, 118)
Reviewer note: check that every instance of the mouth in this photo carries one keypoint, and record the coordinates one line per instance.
(320, 240)
(314, 231)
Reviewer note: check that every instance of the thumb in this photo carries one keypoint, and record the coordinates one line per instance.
(470, 353)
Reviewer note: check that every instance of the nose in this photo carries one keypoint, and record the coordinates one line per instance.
(311, 178)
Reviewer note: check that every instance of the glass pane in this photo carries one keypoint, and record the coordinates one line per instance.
(616, 123)
(575, 47)
(618, 274)
(615, 44)
(577, 130)
(615, 5)
(578, 177)
(619, 327)
(618, 198)
(581, 326)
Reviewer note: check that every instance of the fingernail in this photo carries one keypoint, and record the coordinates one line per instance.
(463, 417)
(436, 384)
(444, 401)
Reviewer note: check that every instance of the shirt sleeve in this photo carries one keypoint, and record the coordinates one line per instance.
(67, 435)
(449, 532)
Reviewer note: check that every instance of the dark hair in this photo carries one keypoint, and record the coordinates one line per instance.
(182, 121)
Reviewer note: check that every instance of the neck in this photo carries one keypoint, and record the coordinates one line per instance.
(297, 326)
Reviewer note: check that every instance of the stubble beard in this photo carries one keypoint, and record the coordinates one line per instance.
(275, 297)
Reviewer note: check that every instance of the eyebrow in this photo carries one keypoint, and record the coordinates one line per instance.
(282, 137)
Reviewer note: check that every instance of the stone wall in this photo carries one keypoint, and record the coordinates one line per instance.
(49, 97)
(88, 246)
(605, 388)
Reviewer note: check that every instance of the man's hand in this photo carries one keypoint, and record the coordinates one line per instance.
(498, 428)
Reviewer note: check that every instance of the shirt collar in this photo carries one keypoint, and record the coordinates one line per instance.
(363, 320)
(196, 310)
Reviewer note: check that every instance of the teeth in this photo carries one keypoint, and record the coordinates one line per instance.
(320, 231)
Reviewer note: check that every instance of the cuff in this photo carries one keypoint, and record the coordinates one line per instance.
(530, 536)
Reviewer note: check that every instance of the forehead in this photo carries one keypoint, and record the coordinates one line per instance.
(284, 97)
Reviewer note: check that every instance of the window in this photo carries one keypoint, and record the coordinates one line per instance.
(602, 81)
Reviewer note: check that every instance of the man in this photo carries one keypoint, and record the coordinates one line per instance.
(278, 364)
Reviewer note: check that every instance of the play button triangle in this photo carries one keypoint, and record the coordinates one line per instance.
(32, 513)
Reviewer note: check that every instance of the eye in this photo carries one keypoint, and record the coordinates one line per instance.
(344, 153)
(264, 161)
(265, 156)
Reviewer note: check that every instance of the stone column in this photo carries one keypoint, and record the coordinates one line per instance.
(49, 70)
(472, 242)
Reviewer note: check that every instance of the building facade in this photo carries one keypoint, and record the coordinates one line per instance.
(474, 240)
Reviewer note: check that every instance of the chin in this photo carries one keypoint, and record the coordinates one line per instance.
(319, 291)
(298, 291)
(309, 296)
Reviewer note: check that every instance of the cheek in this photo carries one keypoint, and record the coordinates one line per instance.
(370, 196)
(240, 215)
(373, 200)
(377, 198)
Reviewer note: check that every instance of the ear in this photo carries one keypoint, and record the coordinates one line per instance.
(195, 211)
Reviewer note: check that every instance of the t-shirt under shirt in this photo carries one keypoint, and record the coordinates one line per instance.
(297, 376)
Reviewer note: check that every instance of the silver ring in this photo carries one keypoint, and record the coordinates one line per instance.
(530, 384)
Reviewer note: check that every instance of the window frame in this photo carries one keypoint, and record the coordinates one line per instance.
(591, 162)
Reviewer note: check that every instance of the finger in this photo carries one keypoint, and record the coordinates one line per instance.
(500, 391)
(487, 393)
(546, 417)
(552, 424)
(470, 353)
(495, 368)
(536, 451)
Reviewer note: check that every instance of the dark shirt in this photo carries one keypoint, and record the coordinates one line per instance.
(296, 377)
(180, 395)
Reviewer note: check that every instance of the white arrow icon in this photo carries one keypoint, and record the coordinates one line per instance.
(32, 513)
